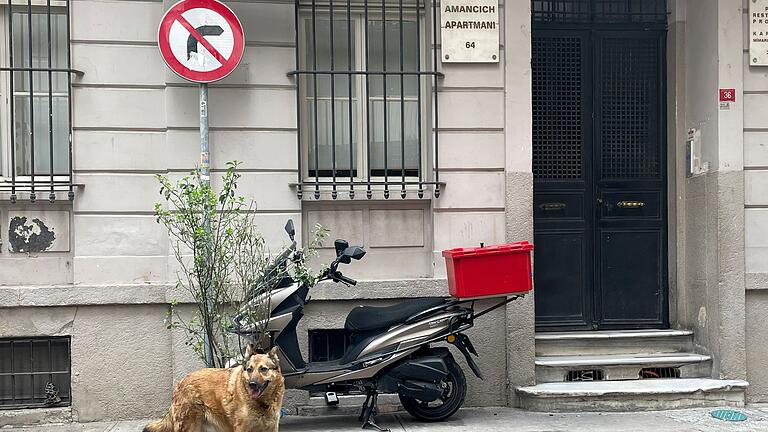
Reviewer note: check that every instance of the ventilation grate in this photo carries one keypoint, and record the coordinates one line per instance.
(659, 372)
(585, 375)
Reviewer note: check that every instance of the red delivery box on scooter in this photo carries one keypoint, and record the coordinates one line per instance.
(489, 271)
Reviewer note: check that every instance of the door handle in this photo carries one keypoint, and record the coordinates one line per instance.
(630, 204)
(552, 206)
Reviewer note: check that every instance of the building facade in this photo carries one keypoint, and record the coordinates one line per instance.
(575, 138)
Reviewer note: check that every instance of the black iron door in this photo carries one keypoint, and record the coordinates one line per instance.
(599, 179)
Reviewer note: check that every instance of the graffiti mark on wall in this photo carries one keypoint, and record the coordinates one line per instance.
(29, 236)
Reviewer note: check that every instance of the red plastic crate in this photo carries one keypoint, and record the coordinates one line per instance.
(490, 271)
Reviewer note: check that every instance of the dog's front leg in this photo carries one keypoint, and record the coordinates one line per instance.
(276, 420)
(242, 426)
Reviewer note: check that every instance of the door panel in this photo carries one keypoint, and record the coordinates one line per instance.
(599, 179)
(561, 297)
(630, 291)
(561, 165)
(629, 277)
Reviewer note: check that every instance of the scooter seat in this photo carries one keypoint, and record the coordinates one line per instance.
(367, 318)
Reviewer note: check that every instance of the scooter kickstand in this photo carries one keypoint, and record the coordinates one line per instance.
(365, 407)
(370, 411)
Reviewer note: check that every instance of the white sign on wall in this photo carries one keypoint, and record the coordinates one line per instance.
(469, 31)
(758, 32)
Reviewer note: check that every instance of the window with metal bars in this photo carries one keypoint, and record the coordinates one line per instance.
(599, 11)
(366, 105)
(35, 372)
(35, 78)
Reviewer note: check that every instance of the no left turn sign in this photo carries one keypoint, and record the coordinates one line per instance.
(201, 40)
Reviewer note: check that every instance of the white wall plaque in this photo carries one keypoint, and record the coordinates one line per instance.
(758, 32)
(469, 31)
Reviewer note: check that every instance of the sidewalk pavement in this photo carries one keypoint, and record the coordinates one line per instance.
(489, 420)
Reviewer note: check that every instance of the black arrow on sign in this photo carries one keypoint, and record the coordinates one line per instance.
(206, 30)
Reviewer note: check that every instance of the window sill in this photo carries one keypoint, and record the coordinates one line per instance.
(324, 190)
(45, 189)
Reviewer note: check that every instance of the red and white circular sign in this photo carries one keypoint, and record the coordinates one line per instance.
(201, 40)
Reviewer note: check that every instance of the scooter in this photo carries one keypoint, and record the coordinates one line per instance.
(391, 348)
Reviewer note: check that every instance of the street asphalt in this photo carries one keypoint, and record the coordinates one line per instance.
(489, 420)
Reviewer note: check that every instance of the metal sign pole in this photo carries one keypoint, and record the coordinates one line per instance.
(208, 65)
(205, 177)
(204, 155)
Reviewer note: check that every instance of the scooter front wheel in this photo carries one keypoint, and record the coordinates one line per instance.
(454, 391)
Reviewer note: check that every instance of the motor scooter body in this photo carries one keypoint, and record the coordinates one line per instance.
(370, 352)
(391, 347)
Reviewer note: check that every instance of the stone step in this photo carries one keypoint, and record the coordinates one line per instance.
(35, 416)
(613, 342)
(620, 366)
(649, 394)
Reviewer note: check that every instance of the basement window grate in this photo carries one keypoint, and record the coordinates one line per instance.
(35, 372)
(659, 372)
(585, 375)
(328, 345)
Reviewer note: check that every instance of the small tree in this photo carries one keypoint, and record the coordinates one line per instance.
(222, 257)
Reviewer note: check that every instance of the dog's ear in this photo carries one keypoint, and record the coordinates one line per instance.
(273, 355)
(250, 350)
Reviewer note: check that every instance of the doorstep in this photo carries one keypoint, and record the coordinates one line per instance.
(633, 395)
(35, 416)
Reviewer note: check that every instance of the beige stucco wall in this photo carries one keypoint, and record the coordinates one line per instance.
(133, 119)
(117, 372)
(709, 208)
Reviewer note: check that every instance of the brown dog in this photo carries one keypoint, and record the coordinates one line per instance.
(246, 398)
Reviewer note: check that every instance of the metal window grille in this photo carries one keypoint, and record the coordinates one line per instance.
(599, 11)
(365, 78)
(35, 372)
(557, 107)
(328, 345)
(584, 375)
(629, 93)
(36, 72)
(659, 372)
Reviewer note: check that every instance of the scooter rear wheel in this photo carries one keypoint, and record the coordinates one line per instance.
(455, 389)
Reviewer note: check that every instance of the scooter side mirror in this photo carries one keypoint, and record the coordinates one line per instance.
(290, 229)
(340, 246)
(350, 253)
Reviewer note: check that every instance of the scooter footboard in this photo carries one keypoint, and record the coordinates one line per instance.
(417, 376)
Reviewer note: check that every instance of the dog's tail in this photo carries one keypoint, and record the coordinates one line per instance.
(163, 425)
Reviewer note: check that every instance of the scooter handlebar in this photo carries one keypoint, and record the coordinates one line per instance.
(340, 277)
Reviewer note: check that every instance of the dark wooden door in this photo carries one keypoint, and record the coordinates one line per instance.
(599, 179)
